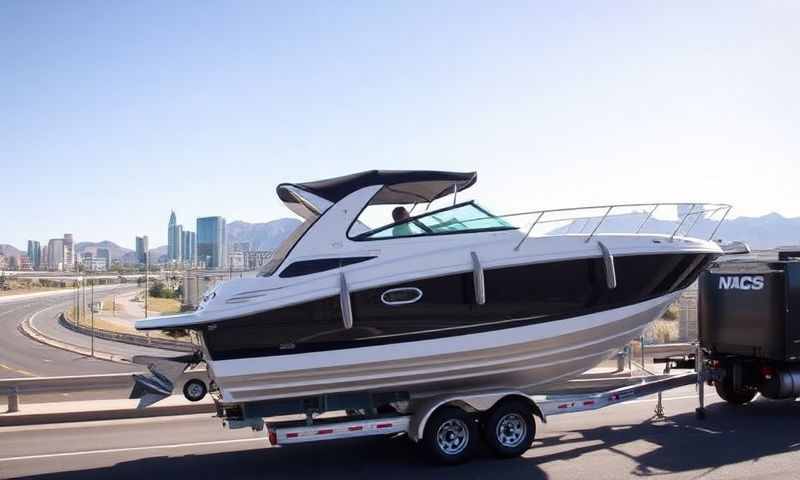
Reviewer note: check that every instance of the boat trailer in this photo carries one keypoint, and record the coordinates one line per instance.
(443, 425)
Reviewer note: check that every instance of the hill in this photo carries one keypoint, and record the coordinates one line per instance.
(114, 251)
(10, 251)
(262, 236)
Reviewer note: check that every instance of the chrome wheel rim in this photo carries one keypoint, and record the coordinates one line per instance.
(511, 430)
(452, 436)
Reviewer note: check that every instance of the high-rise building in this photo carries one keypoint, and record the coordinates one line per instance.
(211, 238)
(174, 239)
(189, 248)
(69, 253)
(142, 246)
(34, 254)
(103, 254)
(55, 254)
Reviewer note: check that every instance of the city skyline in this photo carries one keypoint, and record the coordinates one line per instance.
(61, 253)
(555, 105)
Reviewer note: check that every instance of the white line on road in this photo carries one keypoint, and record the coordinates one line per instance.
(133, 449)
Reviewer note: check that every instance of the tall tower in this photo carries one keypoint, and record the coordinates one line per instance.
(142, 247)
(174, 238)
(211, 242)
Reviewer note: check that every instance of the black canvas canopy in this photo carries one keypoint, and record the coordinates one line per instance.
(400, 186)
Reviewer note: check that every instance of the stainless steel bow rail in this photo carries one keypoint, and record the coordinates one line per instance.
(590, 225)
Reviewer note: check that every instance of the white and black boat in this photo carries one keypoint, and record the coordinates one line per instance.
(446, 299)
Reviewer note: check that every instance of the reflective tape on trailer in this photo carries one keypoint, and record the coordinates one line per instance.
(553, 405)
(288, 434)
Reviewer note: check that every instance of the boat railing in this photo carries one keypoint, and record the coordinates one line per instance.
(689, 216)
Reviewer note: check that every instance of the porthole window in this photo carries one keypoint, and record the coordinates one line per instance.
(401, 296)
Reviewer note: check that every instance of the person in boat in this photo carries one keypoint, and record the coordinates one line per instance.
(400, 214)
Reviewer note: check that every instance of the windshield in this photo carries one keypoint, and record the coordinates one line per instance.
(467, 217)
(284, 248)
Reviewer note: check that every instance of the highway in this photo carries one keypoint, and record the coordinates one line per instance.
(21, 356)
(758, 440)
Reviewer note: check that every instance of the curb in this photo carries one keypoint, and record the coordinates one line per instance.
(125, 338)
(27, 329)
(22, 419)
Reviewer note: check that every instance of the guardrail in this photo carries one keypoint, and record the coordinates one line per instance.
(14, 388)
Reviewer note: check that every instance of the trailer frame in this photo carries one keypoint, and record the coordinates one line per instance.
(414, 416)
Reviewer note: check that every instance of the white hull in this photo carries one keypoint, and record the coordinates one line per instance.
(528, 358)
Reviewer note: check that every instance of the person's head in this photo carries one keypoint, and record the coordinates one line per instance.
(399, 214)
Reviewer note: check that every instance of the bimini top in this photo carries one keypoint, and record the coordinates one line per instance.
(401, 186)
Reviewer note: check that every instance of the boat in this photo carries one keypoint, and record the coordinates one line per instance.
(435, 298)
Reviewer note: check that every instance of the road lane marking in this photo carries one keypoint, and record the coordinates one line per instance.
(17, 370)
(84, 426)
(133, 449)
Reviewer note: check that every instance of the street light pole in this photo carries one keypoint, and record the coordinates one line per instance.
(77, 311)
(91, 306)
(146, 280)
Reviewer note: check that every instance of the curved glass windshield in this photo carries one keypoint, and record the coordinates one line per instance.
(467, 217)
(284, 248)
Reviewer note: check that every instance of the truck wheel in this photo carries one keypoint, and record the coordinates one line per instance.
(450, 436)
(509, 429)
(194, 390)
(735, 397)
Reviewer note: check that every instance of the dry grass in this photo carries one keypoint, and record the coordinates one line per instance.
(118, 327)
(163, 305)
(673, 312)
(662, 331)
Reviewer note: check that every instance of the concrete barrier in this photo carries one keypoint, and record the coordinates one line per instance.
(64, 412)
(126, 337)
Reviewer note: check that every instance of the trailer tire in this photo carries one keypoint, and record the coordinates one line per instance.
(509, 428)
(450, 437)
(735, 397)
(194, 390)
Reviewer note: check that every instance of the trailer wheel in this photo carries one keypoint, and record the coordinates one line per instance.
(509, 429)
(735, 397)
(450, 436)
(194, 390)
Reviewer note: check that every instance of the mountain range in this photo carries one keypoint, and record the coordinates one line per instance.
(761, 233)
(765, 232)
(9, 250)
(261, 236)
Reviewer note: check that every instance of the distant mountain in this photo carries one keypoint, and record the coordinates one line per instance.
(262, 236)
(157, 252)
(10, 251)
(761, 233)
(114, 251)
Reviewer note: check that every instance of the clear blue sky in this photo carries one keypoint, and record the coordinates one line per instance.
(112, 113)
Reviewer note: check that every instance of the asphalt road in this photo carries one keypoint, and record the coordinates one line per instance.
(755, 441)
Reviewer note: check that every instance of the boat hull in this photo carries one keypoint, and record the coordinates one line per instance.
(529, 358)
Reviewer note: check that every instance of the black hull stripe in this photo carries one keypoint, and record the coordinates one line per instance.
(413, 337)
(516, 296)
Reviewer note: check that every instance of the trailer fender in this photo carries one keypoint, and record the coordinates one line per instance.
(471, 403)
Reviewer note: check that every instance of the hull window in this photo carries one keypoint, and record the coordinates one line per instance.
(307, 267)
(401, 296)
